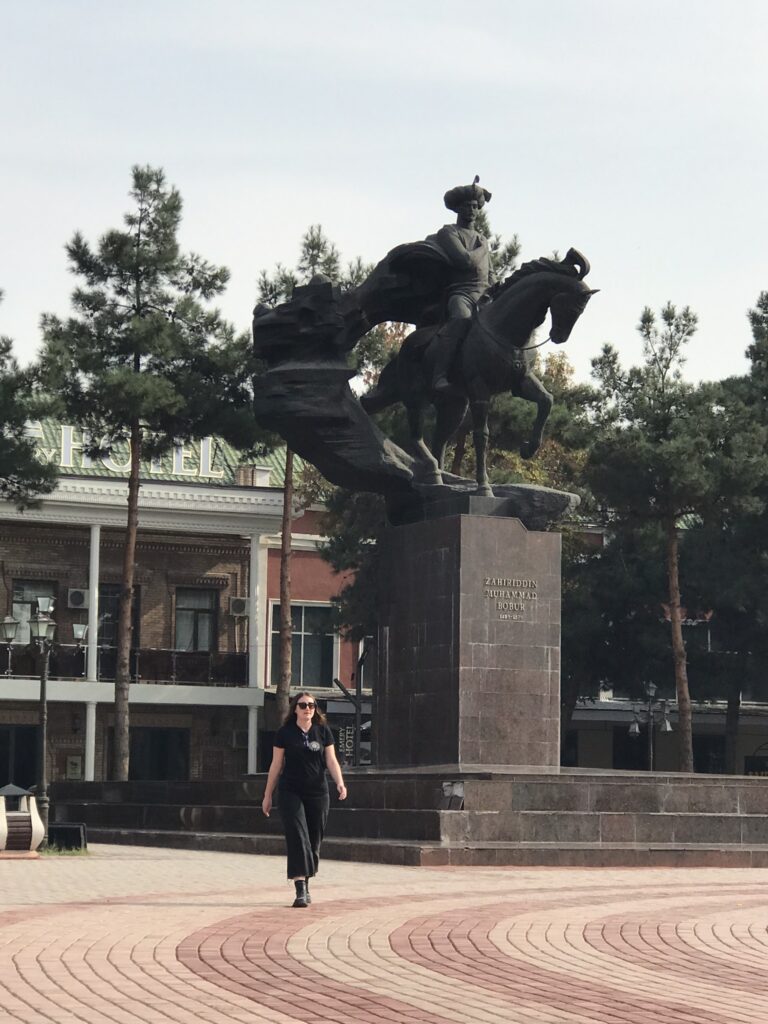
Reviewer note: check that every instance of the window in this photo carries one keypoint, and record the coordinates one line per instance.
(109, 605)
(196, 619)
(314, 643)
(25, 595)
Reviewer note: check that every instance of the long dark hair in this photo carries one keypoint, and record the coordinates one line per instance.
(317, 719)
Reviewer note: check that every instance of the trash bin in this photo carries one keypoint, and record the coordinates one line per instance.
(21, 828)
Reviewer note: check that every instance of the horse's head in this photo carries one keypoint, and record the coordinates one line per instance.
(566, 307)
(539, 286)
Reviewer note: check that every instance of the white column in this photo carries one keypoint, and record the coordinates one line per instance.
(257, 618)
(93, 605)
(90, 740)
(253, 740)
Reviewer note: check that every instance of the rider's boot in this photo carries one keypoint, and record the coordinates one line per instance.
(447, 342)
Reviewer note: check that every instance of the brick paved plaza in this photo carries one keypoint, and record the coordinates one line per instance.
(130, 934)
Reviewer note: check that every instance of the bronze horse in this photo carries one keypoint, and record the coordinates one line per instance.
(496, 355)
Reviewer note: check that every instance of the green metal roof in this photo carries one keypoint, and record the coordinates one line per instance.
(210, 461)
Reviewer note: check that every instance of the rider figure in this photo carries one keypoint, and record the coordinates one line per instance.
(470, 261)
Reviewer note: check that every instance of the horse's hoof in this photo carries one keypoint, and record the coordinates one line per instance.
(484, 491)
(429, 477)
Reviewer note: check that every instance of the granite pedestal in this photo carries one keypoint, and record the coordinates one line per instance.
(469, 644)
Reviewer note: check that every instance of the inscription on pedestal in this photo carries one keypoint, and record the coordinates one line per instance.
(510, 597)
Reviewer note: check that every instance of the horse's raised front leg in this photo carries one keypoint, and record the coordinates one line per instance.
(480, 437)
(421, 452)
(533, 390)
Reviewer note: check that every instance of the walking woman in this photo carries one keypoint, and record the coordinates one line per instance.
(302, 750)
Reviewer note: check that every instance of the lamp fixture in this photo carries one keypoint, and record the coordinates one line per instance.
(42, 627)
(8, 628)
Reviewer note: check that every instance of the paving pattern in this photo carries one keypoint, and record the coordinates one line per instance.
(131, 935)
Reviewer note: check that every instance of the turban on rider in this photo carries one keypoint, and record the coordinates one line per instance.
(455, 197)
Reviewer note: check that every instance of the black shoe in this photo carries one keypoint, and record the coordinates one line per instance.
(309, 898)
(302, 898)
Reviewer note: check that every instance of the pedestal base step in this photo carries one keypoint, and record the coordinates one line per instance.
(435, 854)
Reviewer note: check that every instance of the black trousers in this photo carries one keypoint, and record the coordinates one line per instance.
(304, 819)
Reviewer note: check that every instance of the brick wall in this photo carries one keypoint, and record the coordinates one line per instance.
(163, 563)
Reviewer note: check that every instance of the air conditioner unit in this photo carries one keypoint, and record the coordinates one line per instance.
(77, 598)
(239, 606)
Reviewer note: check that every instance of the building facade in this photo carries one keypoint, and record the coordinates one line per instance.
(206, 613)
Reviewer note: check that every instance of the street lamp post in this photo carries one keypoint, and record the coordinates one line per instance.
(8, 628)
(42, 629)
(80, 631)
(648, 717)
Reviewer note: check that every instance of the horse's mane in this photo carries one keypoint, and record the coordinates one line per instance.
(546, 265)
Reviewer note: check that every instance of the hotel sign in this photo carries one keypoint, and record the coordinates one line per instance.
(64, 445)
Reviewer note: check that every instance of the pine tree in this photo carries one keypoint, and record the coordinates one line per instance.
(612, 637)
(503, 254)
(140, 360)
(666, 449)
(726, 558)
(22, 476)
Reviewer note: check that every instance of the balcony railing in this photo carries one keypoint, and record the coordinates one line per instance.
(148, 665)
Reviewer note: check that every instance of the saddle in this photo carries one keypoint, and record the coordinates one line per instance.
(449, 331)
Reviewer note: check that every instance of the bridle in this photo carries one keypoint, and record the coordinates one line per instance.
(504, 345)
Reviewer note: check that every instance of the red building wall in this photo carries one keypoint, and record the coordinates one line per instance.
(312, 579)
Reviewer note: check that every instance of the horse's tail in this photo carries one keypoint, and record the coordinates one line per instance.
(386, 392)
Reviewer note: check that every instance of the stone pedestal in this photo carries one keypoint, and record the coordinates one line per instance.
(469, 644)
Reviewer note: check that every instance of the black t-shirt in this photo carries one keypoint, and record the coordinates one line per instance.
(304, 766)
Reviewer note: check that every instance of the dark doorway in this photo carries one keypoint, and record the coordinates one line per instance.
(18, 755)
(709, 754)
(156, 754)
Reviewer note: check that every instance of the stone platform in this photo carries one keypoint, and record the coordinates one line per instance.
(453, 815)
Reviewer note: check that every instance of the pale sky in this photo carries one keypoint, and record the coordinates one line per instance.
(634, 130)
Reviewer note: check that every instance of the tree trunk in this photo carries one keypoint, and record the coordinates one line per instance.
(458, 452)
(732, 725)
(283, 690)
(685, 724)
(124, 618)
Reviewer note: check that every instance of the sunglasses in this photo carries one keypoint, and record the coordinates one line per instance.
(304, 704)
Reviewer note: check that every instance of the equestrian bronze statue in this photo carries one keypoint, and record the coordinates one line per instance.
(473, 340)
